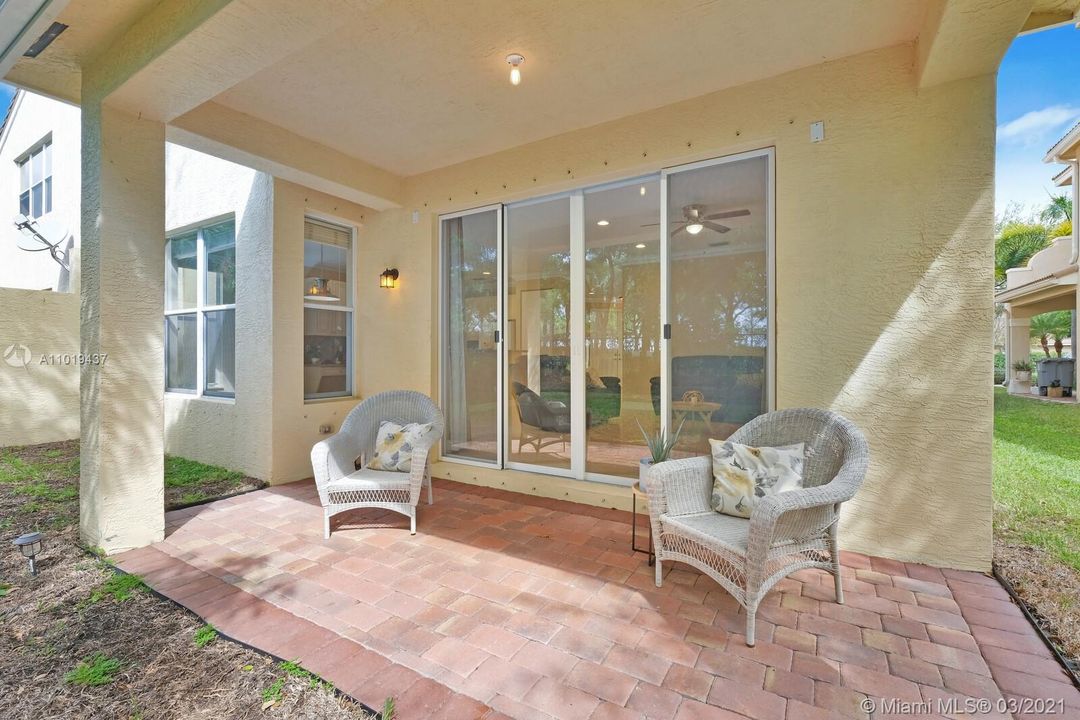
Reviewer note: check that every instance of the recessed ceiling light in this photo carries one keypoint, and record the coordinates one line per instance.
(515, 60)
(487, 272)
(642, 189)
(602, 223)
(640, 246)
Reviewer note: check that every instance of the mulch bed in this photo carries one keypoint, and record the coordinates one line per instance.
(50, 623)
(1050, 588)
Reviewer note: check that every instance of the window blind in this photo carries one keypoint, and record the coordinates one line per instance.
(327, 233)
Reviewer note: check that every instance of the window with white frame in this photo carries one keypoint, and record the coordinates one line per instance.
(200, 311)
(35, 180)
(328, 309)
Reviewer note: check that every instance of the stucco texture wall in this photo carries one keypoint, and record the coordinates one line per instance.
(39, 403)
(883, 271)
(234, 433)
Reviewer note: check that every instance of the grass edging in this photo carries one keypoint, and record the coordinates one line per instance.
(1071, 671)
(259, 651)
(208, 500)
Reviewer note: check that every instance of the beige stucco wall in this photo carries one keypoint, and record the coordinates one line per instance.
(883, 260)
(234, 433)
(39, 403)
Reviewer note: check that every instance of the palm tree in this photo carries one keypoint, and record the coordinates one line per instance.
(1015, 246)
(1059, 210)
(1057, 324)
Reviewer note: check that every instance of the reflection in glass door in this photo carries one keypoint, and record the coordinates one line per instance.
(539, 386)
(471, 361)
(719, 222)
(621, 324)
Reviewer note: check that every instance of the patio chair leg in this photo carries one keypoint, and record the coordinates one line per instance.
(412, 522)
(834, 552)
(751, 619)
(326, 524)
(659, 573)
(430, 496)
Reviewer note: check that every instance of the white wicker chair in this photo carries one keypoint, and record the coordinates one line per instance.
(785, 532)
(342, 487)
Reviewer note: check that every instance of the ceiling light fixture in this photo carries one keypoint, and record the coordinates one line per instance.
(640, 246)
(515, 60)
(487, 272)
(642, 189)
(602, 223)
(694, 228)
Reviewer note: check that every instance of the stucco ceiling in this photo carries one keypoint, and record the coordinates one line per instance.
(411, 85)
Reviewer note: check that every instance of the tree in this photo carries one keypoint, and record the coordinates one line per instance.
(1059, 210)
(1057, 324)
(1015, 245)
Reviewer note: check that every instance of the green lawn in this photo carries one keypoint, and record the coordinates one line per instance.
(1037, 475)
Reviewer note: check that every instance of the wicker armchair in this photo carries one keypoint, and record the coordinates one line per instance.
(785, 532)
(342, 487)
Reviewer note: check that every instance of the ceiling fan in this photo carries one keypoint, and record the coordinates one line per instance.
(695, 219)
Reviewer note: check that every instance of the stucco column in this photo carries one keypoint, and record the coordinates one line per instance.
(121, 487)
(1019, 348)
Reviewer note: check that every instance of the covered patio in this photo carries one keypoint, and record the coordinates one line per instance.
(523, 607)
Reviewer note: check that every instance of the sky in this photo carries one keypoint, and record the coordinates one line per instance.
(1038, 101)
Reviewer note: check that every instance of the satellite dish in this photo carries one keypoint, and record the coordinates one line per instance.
(52, 229)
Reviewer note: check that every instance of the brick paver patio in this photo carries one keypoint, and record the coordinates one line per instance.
(507, 605)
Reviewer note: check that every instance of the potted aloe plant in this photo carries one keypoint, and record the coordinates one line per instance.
(660, 446)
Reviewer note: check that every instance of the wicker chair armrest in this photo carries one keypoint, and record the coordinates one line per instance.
(333, 458)
(680, 487)
(419, 469)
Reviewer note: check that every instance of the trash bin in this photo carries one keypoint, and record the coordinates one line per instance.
(1060, 369)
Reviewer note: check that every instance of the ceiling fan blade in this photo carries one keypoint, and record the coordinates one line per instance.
(651, 225)
(676, 231)
(716, 227)
(729, 214)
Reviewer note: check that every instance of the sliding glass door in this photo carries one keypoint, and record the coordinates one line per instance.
(573, 323)
(621, 324)
(472, 318)
(718, 254)
(539, 384)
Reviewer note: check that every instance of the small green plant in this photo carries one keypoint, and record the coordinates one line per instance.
(205, 635)
(4, 589)
(660, 445)
(193, 497)
(1022, 366)
(121, 587)
(388, 709)
(274, 693)
(94, 670)
(296, 670)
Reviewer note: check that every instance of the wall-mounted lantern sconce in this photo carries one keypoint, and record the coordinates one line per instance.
(30, 545)
(388, 279)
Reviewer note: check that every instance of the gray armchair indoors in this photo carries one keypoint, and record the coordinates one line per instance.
(786, 532)
(344, 487)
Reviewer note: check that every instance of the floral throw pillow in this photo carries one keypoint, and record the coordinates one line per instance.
(394, 445)
(743, 473)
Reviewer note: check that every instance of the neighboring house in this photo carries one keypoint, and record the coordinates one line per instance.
(825, 241)
(1050, 281)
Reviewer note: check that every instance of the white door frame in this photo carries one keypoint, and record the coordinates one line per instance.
(444, 331)
(769, 153)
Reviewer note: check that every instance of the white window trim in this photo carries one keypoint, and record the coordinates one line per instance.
(200, 310)
(348, 307)
(27, 157)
